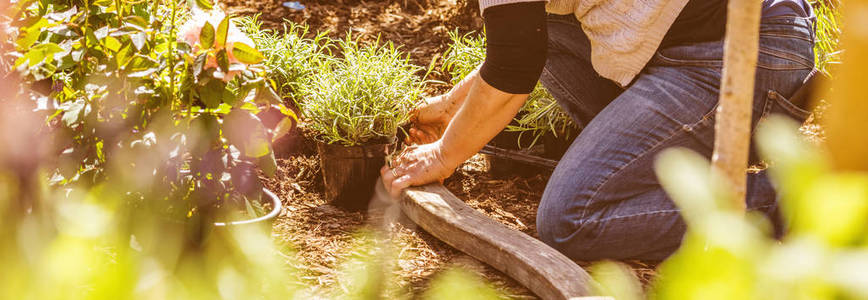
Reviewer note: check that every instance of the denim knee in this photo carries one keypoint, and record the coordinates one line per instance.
(557, 228)
(575, 238)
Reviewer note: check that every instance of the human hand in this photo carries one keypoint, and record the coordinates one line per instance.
(416, 165)
(430, 119)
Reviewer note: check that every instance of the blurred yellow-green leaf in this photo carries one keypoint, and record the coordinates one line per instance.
(246, 54)
(455, 283)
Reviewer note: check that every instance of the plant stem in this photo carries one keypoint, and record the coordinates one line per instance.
(171, 54)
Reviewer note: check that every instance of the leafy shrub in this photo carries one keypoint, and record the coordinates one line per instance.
(131, 81)
(290, 57)
(363, 97)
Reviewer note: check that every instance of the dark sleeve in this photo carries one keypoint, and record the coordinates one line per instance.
(516, 46)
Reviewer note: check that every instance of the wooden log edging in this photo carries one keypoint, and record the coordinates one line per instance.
(543, 270)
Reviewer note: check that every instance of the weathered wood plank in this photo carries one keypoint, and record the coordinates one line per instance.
(543, 270)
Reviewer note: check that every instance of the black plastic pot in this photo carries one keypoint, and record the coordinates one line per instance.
(500, 167)
(350, 173)
(556, 146)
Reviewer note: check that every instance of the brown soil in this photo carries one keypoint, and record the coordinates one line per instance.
(323, 237)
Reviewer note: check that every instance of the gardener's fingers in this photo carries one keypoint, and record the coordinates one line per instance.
(388, 177)
(398, 185)
(421, 135)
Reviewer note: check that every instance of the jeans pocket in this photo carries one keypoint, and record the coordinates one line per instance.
(775, 103)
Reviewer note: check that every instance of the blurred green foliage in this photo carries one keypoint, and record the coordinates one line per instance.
(726, 255)
(123, 131)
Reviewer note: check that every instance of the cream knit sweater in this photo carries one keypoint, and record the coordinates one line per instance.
(624, 34)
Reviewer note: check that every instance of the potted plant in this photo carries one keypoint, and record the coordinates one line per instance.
(540, 119)
(165, 112)
(355, 105)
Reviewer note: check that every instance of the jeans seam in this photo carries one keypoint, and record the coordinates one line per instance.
(784, 35)
(719, 63)
(786, 55)
(631, 216)
(665, 211)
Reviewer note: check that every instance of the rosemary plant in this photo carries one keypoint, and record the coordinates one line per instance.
(826, 50)
(290, 57)
(364, 97)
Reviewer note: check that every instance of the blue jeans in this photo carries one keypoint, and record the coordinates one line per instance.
(603, 200)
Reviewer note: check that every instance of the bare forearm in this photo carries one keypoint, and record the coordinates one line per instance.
(484, 113)
(455, 97)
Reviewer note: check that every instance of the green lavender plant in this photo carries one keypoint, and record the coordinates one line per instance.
(540, 115)
(465, 54)
(290, 57)
(827, 51)
(364, 97)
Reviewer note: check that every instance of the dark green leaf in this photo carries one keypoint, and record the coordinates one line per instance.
(140, 62)
(266, 96)
(246, 54)
(268, 164)
(206, 36)
(123, 56)
(223, 60)
(230, 98)
(137, 20)
(211, 93)
(199, 64)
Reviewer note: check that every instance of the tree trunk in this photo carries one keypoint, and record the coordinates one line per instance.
(846, 123)
(732, 130)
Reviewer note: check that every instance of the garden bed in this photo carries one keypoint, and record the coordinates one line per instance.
(200, 88)
(323, 236)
